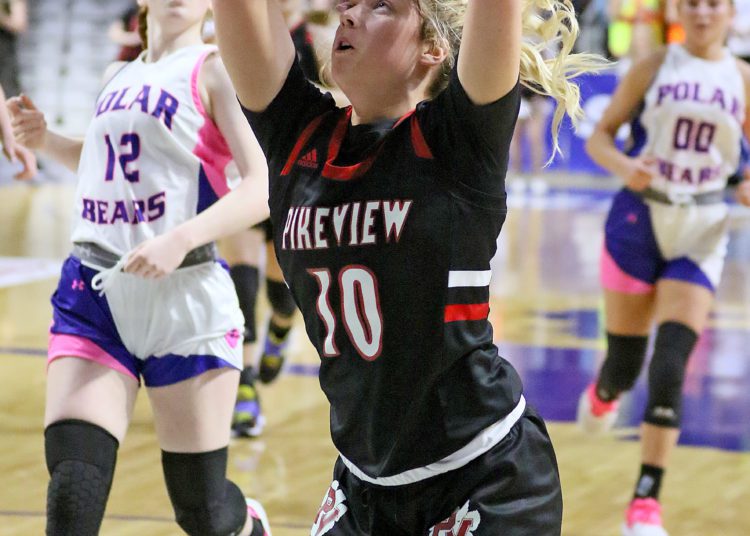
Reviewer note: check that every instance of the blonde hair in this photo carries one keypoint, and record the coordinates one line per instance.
(443, 23)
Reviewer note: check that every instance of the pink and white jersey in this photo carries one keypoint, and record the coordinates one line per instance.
(152, 157)
(692, 117)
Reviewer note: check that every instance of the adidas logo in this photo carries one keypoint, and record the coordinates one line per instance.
(309, 159)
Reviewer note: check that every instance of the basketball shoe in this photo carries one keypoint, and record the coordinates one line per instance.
(594, 415)
(255, 511)
(643, 518)
(247, 419)
(273, 357)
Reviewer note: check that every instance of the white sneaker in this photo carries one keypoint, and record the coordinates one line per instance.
(594, 415)
(643, 518)
(256, 511)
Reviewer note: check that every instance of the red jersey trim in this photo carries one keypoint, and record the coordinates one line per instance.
(421, 149)
(468, 311)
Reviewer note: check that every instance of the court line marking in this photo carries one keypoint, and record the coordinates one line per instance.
(131, 518)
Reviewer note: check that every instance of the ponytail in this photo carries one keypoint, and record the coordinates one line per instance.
(554, 76)
(558, 29)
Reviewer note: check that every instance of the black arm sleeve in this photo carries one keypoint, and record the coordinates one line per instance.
(471, 141)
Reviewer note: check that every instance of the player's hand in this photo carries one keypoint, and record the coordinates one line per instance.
(157, 257)
(28, 161)
(640, 172)
(29, 125)
(743, 188)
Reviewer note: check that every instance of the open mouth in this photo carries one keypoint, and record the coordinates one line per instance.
(342, 45)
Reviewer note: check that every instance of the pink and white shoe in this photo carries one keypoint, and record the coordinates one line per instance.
(255, 511)
(643, 518)
(594, 415)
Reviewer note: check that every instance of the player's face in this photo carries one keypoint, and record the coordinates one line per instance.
(177, 14)
(378, 44)
(706, 22)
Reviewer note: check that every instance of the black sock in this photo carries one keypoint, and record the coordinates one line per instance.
(649, 482)
(277, 331)
(247, 376)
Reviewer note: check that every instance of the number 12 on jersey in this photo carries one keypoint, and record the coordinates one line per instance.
(360, 310)
(130, 145)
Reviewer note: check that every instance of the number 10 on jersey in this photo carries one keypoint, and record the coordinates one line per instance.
(360, 310)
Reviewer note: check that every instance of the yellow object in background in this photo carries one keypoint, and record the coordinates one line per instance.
(647, 14)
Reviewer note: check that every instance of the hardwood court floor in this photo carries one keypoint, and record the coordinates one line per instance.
(546, 310)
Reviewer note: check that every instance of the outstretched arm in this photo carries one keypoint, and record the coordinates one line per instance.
(256, 48)
(490, 57)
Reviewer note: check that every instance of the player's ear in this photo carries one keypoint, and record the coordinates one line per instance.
(434, 52)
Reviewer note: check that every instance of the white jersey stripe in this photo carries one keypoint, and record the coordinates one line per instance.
(469, 278)
(482, 442)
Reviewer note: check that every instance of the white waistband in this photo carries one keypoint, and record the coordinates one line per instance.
(482, 442)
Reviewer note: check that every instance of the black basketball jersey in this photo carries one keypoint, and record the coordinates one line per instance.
(385, 233)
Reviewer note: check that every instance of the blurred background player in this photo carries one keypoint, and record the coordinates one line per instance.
(666, 233)
(151, 170)
(244, 255)
(124, 32)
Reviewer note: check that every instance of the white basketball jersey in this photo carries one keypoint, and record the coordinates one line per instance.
(693, 114)
(152, 157)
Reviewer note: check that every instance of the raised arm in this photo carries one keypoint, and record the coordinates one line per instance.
(488, 64)
(256, 48)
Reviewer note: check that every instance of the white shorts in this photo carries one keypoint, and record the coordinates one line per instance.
(165, 330)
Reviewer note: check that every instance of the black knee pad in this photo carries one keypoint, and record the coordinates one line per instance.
(673, 346)
(81, 460)
(625, 357)
(204, 501)
(246, 281)
(280, 298)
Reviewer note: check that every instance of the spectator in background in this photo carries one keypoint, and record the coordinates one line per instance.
(124, 32)
(593, 21)
(636, 28)
(13, 22)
